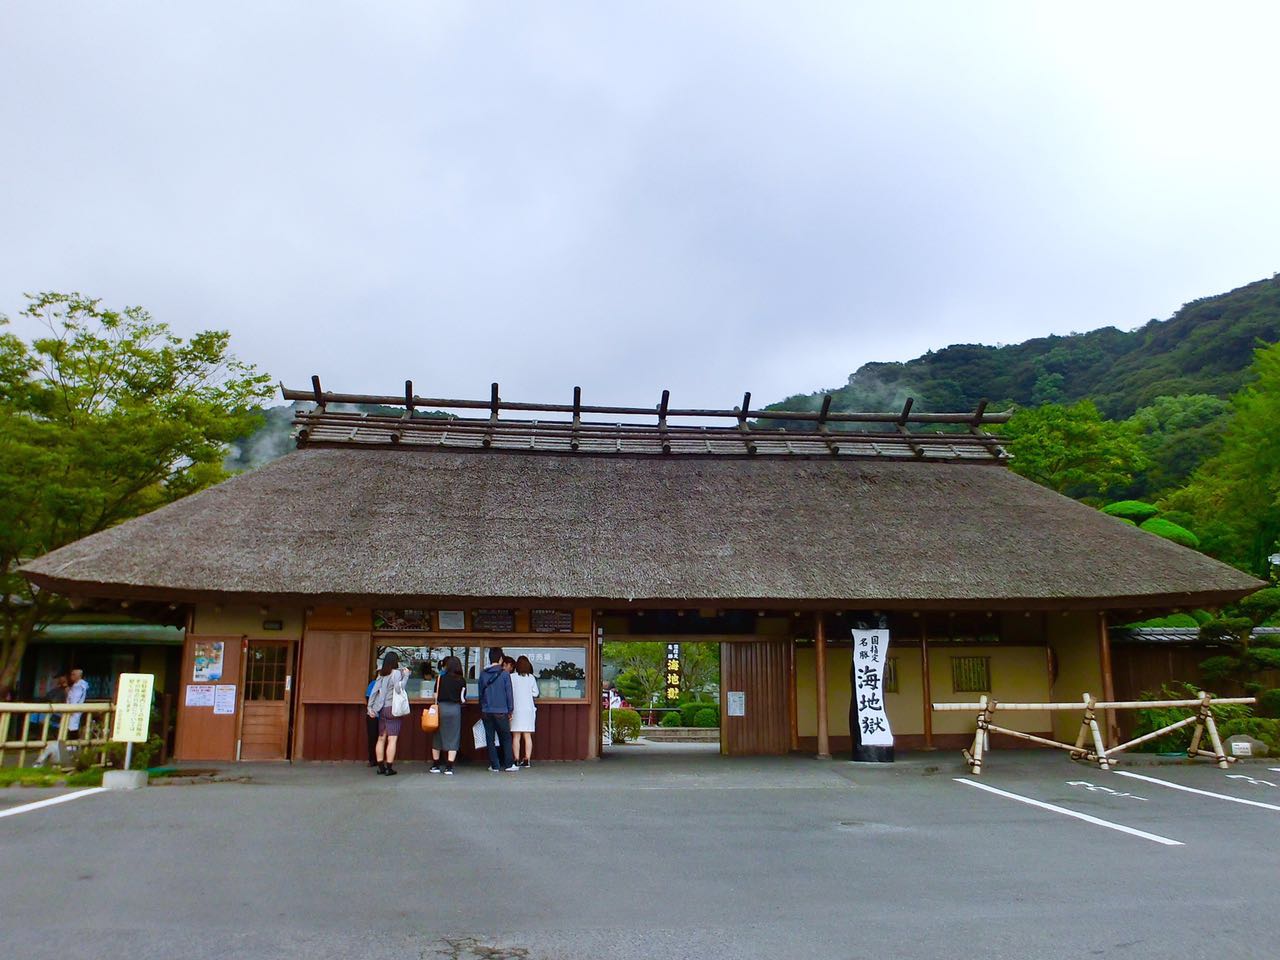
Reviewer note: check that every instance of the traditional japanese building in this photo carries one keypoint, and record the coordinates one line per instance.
(772, 536)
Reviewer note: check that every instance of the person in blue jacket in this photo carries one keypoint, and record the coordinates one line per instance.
(496, 706)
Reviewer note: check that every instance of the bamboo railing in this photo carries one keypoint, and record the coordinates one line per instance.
(95, 728)
(1090, 744)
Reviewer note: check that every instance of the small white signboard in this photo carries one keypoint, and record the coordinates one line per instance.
(1241, 748)
(199, 695)
(133, 707)
(453, 619)
(224, 700)
(869, 650)
(737, 703)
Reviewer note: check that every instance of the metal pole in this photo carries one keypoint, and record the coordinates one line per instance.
(128, 755)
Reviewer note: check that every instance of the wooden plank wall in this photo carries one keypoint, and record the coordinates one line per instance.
(202, 735)
(336, 731)
(762, 671)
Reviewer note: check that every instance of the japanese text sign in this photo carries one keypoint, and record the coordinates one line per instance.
(133, 707)
(869, 650)
(672, 672)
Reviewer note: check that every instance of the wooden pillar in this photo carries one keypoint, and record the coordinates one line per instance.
(926, 684)
(820, 657)
(792, 708)
(1108, 684)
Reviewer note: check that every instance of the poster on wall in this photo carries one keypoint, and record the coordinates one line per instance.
(417, 620)
(452, 620)
(224, 699)
(551, 621)
(208, 661)
(493, 621)
(200, 695)
(133, 707)
(737, 703)
(869, 650)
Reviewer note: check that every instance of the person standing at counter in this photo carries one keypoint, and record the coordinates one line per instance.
(389, 678)
(451, 693)
(371, 724)
(496, 705)
(524, 688)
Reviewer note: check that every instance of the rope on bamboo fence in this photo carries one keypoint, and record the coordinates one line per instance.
(94, 733)
(1090, 744)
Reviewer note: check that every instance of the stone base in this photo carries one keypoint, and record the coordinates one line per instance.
(124, 779)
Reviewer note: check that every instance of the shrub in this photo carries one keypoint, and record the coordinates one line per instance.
(690, 710)
(626, 724)
(673, 719)
(707, 717)
(1268, 704)
(1135, 511)
(1260, 728)
(1184, 620)
(1154, 718)
(1171, 531)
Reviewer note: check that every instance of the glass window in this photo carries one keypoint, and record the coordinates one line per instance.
(424, 663)
(561, 671)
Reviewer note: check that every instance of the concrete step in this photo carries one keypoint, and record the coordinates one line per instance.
(681, 734)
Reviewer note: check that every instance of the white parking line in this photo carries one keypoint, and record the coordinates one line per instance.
(1203, 793)
(26, 807)
(1072, 813)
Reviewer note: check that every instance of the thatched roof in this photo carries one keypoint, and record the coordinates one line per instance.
(352, 525)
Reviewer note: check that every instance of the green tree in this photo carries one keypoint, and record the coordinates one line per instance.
(1233, 500)
(106, 417)
(641, 673)
(1176, 435)
(1073, 450)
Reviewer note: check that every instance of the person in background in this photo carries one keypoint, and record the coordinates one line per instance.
(509, 664)
(77, 691)
(371, 724)
(524, 690)
(451, 694)
(495, 713)
(57, 693)
(389, 677)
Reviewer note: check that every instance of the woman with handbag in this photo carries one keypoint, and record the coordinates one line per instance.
(390, 704)
(451, 694)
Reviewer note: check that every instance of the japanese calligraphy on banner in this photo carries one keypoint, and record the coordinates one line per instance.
(869, 650)
(133, 707)
(672, 672)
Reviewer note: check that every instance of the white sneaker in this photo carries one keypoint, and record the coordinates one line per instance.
(513, 769)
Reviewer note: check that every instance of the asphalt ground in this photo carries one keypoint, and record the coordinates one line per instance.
(656, 855)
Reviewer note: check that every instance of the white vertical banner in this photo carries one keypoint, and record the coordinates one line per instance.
(869, 650)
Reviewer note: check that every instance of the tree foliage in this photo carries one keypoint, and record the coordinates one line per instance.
(1233, 499)
(1073, 449)
(106, 417)
(641, 670)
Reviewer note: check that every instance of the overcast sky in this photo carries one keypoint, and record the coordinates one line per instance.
(706, 197)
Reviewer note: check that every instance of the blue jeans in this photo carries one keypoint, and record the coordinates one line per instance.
(499, 745)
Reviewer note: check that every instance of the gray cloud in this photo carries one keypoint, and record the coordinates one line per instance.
(706, 197)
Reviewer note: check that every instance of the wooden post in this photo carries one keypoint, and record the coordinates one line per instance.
(1219, 754)
(926, 685)
(792, 708)
(1108, 686)
(820, 656)
(1099, 747)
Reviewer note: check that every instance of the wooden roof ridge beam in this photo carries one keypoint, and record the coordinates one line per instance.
(901, 426)
(822, 426)
(577, 418)
(495, 404)
(799, 415)
(743, 427)
(996, 450)
(662, 421)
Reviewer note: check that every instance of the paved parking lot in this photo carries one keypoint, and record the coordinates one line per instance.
(649, 856)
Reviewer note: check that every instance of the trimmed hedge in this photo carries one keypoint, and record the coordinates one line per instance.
(1134, 510)
(1171, 531)
(626, 724)
(1268, 704)
(709, 717)
(671, 720)
(688, 711)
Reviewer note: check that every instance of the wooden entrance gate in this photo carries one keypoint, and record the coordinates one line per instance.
(758, 670)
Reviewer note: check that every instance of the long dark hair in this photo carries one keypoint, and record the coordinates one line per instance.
(451, 664)
(390, 661)
(523, 666)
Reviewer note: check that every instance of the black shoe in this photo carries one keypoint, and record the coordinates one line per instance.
(448, 771)
(382, 768)
(391, 771)
(435, 768)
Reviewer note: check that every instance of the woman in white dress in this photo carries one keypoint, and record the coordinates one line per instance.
(524, 689)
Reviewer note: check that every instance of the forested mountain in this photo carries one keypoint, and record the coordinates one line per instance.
(1204, 348)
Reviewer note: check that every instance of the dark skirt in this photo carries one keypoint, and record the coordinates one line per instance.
(387, 723)
(449, 733)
